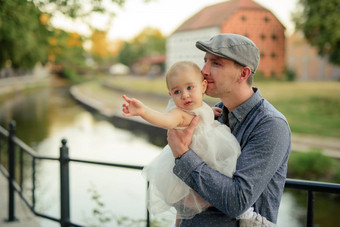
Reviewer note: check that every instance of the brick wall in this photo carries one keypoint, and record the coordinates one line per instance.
(266, 32)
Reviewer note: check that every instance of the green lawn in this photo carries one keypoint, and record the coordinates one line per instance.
(310, 107)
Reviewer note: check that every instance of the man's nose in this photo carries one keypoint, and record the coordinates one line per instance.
(205, 70)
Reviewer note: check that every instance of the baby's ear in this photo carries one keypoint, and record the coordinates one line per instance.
(204, 85)
(170, 93)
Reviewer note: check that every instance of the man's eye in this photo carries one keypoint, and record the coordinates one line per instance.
(216, 63)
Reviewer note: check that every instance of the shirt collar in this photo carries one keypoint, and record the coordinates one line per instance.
(242, 110)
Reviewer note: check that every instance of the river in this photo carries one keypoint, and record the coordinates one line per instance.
(100, 196)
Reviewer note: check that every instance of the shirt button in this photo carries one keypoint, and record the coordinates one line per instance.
(240, 117)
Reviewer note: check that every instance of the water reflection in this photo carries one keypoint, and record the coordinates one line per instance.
(34, 120)
(290, 212)
(46, 116)
(122, 191)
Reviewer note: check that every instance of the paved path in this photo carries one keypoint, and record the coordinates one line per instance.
(24, 215)
(328, 146)
(14, 84)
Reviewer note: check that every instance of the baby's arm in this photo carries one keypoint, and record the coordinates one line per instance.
(172, 119)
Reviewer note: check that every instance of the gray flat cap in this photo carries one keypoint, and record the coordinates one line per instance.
(235, 47)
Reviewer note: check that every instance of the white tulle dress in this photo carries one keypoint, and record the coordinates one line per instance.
(213, 143)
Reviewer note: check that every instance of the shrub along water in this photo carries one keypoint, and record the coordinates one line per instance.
(313, 165)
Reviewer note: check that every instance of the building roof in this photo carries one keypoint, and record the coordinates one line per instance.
(217, 14)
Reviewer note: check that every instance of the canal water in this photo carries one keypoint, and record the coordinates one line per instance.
(100, 196)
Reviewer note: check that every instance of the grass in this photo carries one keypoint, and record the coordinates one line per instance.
(310, 107)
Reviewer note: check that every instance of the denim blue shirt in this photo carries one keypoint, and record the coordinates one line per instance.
(265, 140)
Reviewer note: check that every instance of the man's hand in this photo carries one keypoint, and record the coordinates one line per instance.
(180, 139)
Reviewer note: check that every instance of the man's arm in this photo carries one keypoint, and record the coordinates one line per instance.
(260, 158)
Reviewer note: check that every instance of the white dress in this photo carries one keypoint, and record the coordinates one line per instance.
(213, 143)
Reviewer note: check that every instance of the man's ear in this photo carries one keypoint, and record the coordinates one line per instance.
(245, 73)
(204, 86)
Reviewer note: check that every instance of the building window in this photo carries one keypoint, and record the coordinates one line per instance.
(274, 37)
(263, 36)
(266, 19)
(243, 18)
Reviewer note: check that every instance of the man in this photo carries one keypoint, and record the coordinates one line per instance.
(263, 133)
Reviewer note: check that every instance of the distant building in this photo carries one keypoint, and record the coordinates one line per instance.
(304, 60)
(244, 17)
(149, 66)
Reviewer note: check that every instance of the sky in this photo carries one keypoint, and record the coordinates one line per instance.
(166, 15)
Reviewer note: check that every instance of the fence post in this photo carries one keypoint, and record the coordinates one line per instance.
(64, 185)
(147, 201)
(310, 209)
(11, 170)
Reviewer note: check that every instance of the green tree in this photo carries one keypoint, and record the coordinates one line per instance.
(25, 28)
(151, 40)
(23, 36)
(129, 53)
(66, 48)
(319, 21)
(77, 9)
(148, 42)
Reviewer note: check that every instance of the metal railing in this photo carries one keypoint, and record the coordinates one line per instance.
(65, 220)
(14, 143)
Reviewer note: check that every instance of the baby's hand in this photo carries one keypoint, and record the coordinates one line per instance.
(217, 111)
(133, 107)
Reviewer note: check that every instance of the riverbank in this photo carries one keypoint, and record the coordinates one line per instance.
(99, 97)
(39, 77)
(24, 216)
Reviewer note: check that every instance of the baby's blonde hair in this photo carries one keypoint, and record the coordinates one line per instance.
(181, 66)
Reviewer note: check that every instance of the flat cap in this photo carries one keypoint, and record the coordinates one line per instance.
(232, 46)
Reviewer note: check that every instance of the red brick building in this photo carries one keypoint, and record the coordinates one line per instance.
(244, 17)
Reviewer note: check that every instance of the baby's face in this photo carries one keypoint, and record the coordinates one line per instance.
(186, 89)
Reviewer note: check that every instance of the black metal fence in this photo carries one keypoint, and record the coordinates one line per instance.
(13, 143)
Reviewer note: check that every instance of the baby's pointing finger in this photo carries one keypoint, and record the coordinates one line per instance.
(126, 98)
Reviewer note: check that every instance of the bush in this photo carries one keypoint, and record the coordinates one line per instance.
(290, 75)
(260, 77)
(313, 165)
(72, 75)
(69, 74)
